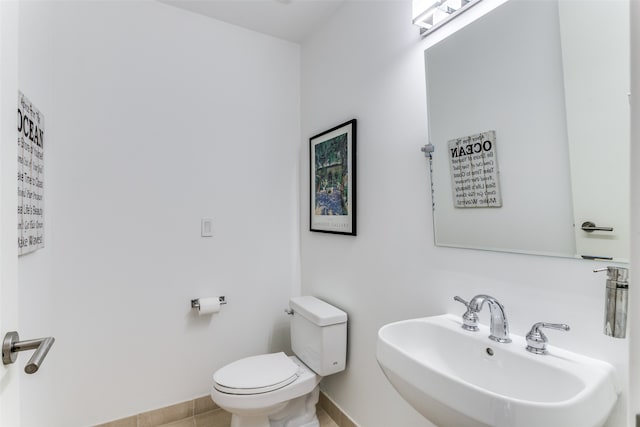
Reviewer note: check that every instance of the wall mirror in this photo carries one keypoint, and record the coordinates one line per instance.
(529, 119)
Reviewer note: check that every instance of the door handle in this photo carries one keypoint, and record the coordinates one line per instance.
(589, 227)
(11, 346)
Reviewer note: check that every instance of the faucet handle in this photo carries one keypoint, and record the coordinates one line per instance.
(457, 298)
(470, 319)
(537, 340)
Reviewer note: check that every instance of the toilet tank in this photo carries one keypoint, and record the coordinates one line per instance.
(319, 334)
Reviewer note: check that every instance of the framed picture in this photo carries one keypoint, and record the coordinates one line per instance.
(332, 161)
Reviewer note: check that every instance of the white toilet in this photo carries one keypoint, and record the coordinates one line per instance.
(274, 390)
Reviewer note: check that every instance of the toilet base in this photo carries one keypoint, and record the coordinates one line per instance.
(298, 412)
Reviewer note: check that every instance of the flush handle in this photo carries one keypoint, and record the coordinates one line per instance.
(12, 345)
(590, 227)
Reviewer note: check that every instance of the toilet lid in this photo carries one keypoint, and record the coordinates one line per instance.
(256, 374)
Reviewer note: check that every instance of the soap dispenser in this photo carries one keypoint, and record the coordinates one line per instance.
(616, 301)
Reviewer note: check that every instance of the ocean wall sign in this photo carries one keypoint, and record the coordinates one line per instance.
(30, 176)
(474, 171)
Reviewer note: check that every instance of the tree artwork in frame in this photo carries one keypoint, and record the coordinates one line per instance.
(333, 180)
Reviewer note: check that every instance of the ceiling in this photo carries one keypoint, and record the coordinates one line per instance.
(291, 20)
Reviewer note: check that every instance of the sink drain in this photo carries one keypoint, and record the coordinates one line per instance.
(489, 351)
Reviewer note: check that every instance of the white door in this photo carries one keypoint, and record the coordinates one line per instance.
(10, 374)
(598, 122)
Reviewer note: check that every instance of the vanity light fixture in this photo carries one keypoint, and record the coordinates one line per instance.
(432, 14)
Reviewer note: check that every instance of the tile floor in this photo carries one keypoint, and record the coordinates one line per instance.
(202, 412)
(215, 418)
(220, 418)
(325, 419)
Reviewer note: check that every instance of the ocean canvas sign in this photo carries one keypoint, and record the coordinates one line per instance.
(474, 171)
(333, 180)
(30, 176)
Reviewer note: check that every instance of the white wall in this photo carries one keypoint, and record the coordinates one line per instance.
(155, 117)
(367, 63)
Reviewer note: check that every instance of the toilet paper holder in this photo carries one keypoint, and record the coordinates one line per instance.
(195, 303)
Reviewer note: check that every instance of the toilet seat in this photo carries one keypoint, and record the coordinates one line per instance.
(256, 374)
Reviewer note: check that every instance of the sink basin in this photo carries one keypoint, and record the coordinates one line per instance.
(457, 378)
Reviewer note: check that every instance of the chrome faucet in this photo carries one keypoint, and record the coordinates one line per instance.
(537, 341)
(499, 327)
(470, 318)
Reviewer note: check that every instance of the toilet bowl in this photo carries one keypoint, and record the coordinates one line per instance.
(276, 390)
(284, 389)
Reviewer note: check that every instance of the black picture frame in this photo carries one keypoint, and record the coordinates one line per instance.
(332, 180)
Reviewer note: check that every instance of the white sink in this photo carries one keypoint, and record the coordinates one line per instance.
(457, 378)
